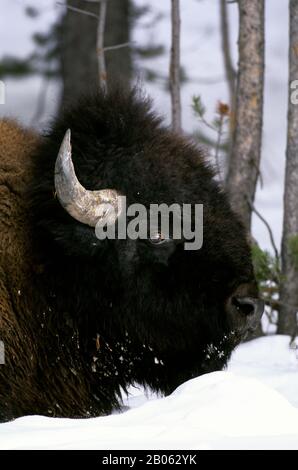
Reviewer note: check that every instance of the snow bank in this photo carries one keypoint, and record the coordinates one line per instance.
(222, 410)
(270, 360)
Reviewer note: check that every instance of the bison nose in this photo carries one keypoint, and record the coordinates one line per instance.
(251, 307)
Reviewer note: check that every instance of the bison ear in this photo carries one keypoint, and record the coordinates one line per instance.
(88, 207)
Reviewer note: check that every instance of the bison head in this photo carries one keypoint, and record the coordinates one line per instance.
(169, 313)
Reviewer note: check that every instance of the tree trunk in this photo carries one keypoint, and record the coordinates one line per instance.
(243, 170)
(79, 58)
(175, 67)
(102, 71)
(118, 31)
(230, 72)
(287, 323)
(78, 51)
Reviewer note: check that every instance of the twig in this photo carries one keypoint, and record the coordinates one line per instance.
(218, 142)
(78, 10)
(210, 126)
(252, 207)
(118, 46)
(259, 174)
(102, 72)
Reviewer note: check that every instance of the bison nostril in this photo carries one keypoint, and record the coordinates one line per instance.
(246, 305)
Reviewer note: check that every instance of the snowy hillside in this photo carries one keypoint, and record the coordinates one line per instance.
(253, 405)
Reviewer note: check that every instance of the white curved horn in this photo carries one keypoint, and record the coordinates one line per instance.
(88, 207)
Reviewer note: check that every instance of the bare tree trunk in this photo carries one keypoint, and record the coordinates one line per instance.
(118, 28)
(78, 51)
(78, 44)
(244, 163)
(102, 72)
(287, 323)
(175, 67)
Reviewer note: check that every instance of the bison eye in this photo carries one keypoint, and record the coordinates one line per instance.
(158, 239)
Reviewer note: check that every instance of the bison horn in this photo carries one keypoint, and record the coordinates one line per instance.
(88, 207)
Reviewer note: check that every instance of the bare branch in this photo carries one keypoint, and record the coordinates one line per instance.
(226, 50)
(78, 10)
(218, 144)
(175, 66)
(251, 205)
(102, 72)
(118, 46)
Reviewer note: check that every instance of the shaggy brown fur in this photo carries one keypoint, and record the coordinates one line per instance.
(16, 260)
(81, 318)
(22, 380)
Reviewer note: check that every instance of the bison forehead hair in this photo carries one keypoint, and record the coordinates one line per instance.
(97, 315)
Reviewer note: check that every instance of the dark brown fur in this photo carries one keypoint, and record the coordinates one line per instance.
(81, 318)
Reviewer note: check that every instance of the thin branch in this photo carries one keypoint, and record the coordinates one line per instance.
(252, 207)
(78, 10)
(118, 46)
(259, 173)
(218, 143)
(175, 66)
(102, 72)
(226, 50)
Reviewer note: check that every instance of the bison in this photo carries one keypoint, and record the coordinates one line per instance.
(81, 318)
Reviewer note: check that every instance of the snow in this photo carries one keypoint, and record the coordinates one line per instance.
(252, 405)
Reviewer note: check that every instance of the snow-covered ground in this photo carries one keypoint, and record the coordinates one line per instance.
(252, 405)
